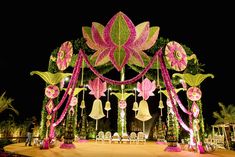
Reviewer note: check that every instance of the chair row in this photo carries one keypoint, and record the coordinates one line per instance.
(124, 138)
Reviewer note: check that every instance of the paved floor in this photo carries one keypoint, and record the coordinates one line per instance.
(92, 149)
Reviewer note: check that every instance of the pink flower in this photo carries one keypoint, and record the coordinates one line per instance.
(97, 88)
(64, 55)
(176, 56)
(52, 91)
(122, 104)
(146, 88)
(195, 110)
(194, 93)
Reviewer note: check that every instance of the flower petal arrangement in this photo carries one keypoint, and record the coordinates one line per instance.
(176, 56)
(146, 88)
(52, 91)
(97, 88)
(120, 41)
(64, 55)
(194, 93)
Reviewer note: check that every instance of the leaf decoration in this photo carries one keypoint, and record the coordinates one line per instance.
(146, 88)
(76, 91)
(97, 88)
(122, 96)
(166, 93)
(120, 41)
(51, 78)
(193, 80)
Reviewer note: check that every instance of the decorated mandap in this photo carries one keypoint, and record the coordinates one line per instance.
(160, 65)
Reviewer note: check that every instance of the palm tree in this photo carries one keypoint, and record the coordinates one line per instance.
(6, 103)
(226, 115)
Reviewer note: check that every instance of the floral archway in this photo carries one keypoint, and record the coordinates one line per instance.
(119, 44)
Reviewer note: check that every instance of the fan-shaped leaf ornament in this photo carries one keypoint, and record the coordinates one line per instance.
(176, 56)
(193, 80)
(119, 41)
(194, 93)
(64, 55)
(121, 96)
(51, 78)
(76, 91)
(97, 88)
(146, 88)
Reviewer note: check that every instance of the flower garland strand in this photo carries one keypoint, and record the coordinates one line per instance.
(168, 87)
(110, 81)
(73, 80)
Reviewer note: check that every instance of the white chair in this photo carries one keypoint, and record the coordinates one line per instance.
(125, 138)
(133, 137)
(141, 137)
(100, 136)
(116, 137)
(108, 136)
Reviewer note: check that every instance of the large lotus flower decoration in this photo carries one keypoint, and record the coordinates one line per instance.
(120, 41)
(64, 55)
(176, 56)
(146, 88)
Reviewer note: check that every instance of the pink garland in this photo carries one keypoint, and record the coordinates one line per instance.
(68, 88)
(74, 80)
(168, 87)
(67, 146)
(130, 81)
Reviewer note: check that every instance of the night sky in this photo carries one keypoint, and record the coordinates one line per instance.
(29, 32)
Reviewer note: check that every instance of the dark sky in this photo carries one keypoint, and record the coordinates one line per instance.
(29, 32)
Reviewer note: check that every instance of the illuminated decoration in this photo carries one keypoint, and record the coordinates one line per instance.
(97, 89)
(146, 88)
(176, 56)
(64, 55)
(194, 93)
(82, 106)
(120, 41)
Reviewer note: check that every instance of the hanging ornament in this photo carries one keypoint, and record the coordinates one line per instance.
(64, 55)
(51, 92)
(146, 88)
(82, 106)
(73, 102)
(194, 93)
(176, 56)
(107, 104)
(135, 104)
(97, 89)
(161, 106)
(195, 109)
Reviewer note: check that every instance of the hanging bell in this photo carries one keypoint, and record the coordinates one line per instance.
(82, 106)
(143, 113)
(107, 107)
(97, 110)
(135, 107)
(161, 106)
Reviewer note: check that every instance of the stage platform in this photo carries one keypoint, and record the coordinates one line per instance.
(93, 149)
